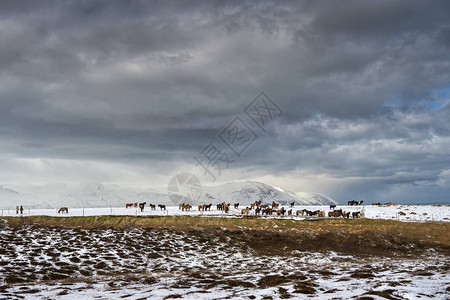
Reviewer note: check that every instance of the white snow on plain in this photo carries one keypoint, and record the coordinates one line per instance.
(114, 263)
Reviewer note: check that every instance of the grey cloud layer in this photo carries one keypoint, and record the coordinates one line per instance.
(133, 82)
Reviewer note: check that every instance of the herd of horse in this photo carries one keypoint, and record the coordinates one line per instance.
(385, 204)
(354, 202)
(256, 208)
(142, 206)
(274, 209)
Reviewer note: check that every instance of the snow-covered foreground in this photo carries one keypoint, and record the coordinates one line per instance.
(397, 212)
(63, 263)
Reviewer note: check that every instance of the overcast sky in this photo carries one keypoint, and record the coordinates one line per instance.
(130, 91)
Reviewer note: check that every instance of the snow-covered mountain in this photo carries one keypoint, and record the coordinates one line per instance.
(247, 192)
(314, 198)
(105, 195)
(82, 195)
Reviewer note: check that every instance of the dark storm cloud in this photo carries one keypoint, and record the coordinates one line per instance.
(155, 81)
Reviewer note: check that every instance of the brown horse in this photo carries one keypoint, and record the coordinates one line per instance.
(63, 210)
(129, 205)
(335, 213)
(226, 207)
(281, 211)
(185, 207)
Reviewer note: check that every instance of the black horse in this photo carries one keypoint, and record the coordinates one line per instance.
(141, 205)
(163, 207)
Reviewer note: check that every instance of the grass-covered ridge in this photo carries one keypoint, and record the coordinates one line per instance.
(370, 236)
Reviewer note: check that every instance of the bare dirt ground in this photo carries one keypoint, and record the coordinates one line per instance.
(133, 259)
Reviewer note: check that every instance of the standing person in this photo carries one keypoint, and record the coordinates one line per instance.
(17, 209)
(21, 210)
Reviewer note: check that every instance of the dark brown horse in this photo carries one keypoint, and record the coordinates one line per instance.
(356, 214)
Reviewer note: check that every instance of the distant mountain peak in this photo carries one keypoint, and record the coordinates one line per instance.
(246, 192)
(7, 190)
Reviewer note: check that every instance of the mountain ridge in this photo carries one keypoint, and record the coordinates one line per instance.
(105, 195)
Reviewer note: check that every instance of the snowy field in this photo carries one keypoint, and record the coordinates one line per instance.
(131, 263)
(419, 213)
(63, 263)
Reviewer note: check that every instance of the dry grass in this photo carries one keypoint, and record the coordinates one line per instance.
(369, 236)
(434, 231)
